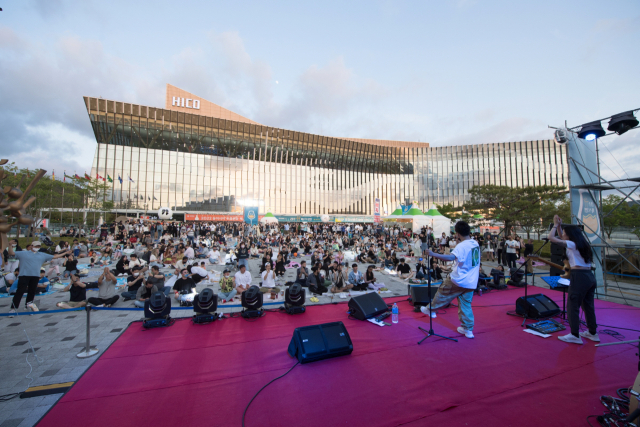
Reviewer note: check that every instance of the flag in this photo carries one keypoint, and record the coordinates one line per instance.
(64, 176)
(109, 178)
(99, 177)
(120, 179)
(87, 177)
(130, 179)
(53, 175)
(77, 177)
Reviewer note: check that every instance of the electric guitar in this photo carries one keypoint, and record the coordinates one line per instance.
(566, 267)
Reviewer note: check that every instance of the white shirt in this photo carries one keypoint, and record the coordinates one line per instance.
(511, 246)
(199, 271)
(467, 269)
(575, 259)
(189, 253)
(214, 255)
(268, 281)
(243, 279)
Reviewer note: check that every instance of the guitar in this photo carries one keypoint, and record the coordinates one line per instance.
(566, 267)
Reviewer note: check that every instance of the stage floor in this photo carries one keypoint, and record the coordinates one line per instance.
(206, 374)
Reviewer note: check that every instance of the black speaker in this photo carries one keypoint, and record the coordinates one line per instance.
(536, 306)
(317, 342)
(420, 295)
(557, 259)
(557, 249)
(367, 306)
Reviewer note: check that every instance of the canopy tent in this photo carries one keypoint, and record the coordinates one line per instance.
(396, 214)
(439, 223)
(269, 219)
(418, 220)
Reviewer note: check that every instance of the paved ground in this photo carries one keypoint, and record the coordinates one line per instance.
(58, 337)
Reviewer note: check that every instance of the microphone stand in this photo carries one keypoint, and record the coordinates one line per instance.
(430, 332)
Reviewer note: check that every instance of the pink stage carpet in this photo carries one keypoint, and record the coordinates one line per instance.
(189, 374)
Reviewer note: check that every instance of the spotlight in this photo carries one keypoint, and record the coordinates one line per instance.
(560, 136)
(620, 123)
(591, 131)
(252, 302)
(156, 311)
(205, 305)
(294, 298)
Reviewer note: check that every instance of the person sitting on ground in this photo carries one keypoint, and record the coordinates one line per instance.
(437, 270)
(71, 266)
(106, 290)
(122, 266)
(280, 268)
(269, 282)
(242, 279)
(157, 279)
(302, 273)
(315, 282)
(356, 279)
(144, 293)
(185, 288)
(227, 287)
(43, 284)
(77, 294)
(182, 264)
(369, 277)
(404, 270)
(198, 274)
(421, 270)
(134, 260)
(134, 282)
(214, 255)
(339, 281)
(11, 282)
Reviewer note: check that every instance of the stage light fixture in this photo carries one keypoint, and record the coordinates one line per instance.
(294, 298)
(205, 305)
(252, 302)
(560, 136)
(591, 131)
(620, 123)
(156, 311)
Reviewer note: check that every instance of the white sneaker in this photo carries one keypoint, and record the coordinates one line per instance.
(570, 338)
(589, 336)
(32, 307)
(464, 331)
(428, 312)
(12, 312)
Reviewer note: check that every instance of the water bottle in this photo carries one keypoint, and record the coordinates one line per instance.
(394, 313)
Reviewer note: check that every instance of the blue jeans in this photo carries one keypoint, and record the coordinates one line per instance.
(447, 292)
(67, 273)
(227, 295)
(139, 304)
(420, 275)
(243, 261)
(128, 295)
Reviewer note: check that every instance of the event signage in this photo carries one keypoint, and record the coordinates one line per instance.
(204, 217)
(310, 219)
(185, 102)
(376, 210)
(251, 215)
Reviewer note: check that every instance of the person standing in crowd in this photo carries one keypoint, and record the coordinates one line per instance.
(461, 282)
(511, 247)
(243, 255)
(582, 282)
(31, 261)
(106, 290)
(11, 262)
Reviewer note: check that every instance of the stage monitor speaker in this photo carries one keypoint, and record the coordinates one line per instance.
(420, 295)
(536, 306)
(557, 249)
(557, 259)
(317, 342)
(366, 306)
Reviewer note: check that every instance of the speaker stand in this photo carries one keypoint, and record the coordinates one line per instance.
(430, 332)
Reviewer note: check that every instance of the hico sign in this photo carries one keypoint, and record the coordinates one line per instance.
(185, 102)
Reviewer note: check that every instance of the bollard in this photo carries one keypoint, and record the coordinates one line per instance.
(88, 351)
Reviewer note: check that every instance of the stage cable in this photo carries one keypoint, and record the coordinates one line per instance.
(263, 387)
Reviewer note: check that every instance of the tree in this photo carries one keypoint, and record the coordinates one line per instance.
(511, 205)
(616, 214)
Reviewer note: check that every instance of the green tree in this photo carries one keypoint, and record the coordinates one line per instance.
(511, 205)
(616, 213)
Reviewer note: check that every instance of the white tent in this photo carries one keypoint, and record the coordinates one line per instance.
(437, 221)
(269, 219)
(418, 218)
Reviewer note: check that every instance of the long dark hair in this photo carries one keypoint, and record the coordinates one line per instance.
(582, 245)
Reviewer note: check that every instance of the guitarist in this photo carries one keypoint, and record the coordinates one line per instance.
(583, 282)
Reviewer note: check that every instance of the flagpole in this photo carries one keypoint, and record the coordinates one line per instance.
(53, 179)
(62, 201)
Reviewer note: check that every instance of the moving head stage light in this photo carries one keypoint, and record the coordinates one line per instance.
(252, 302)
(590, 131)
(205, 305)
(294, 299)
(156, 311)
(620, 123)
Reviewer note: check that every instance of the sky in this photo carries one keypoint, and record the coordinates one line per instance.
(444, 72)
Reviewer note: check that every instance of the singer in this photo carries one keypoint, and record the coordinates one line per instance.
(583, 283)
(462, 281)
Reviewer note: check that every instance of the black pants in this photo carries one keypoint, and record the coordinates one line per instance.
(511, 260)
(581, 294)
(28, 284)
(105, 301)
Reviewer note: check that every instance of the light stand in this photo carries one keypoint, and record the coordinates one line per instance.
(430, 332)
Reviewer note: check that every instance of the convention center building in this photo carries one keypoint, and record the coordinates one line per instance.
(197, 157)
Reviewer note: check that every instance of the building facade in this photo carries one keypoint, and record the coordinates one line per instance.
(195, 156)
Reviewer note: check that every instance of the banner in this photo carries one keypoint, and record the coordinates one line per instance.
(205, 217)
(251, 215)
(376, 210)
